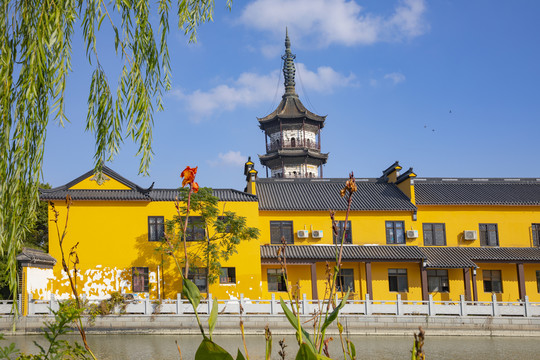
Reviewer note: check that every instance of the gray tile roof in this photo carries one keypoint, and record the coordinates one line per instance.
(431, 191)
(446, 258)
(135, 193)
(460, 257)
(350, 252)
(323, 194)
(35, 258)
(291, 107)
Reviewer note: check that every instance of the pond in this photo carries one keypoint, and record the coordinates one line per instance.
(139, 347)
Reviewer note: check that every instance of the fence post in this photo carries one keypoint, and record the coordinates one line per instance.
(179, 304)
(431, 309)
(30, 306)
(209, 303)
(526, 305)
(147, 310)
(304, 304)
(462, 306)
(398, 304)
(53, 304)
(273, 305)
(494, 310)
(241, 303)
(368, 305)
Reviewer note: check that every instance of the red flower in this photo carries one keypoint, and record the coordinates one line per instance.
(189, 178)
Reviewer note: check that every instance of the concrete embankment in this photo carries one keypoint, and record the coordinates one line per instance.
(255, 324)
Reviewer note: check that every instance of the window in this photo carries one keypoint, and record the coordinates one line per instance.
(538, 280)
(345, 280)
(348, 233)
(198, 276)
(536, 234)
(434, 235)
(195, 229)
(293, 142)
(276, 280)
(438, 281)
(279, 229)
(139, 279)
(489, 235)
(492, 281)
(394, 232)
(228, 275)
(156, 229)
(397, 280)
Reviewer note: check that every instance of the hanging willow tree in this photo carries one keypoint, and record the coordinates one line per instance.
(35, 59)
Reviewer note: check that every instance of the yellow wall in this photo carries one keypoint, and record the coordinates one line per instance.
(368, 227)
(113, 238)
(514, 223)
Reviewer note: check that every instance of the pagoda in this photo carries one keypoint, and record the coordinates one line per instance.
(292, 133)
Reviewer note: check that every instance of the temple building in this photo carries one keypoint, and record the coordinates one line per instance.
(292, 132)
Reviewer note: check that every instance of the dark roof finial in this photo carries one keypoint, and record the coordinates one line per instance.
(288, 66)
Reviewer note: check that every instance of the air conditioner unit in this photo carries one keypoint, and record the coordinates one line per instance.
(469, 235)
(302, 234)
(317, 234)
(412, 234)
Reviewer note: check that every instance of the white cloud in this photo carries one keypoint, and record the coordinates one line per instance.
(395, 77)
(336, 21)
(230, 158)
(252, 89)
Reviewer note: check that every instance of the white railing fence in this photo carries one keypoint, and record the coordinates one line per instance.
(272, 307)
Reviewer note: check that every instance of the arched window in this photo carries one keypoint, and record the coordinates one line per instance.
(308, 142)
(293, 142)
(277, 143)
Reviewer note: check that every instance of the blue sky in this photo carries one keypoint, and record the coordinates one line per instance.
(450, 88)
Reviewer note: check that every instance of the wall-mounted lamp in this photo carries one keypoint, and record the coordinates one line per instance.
(474, 271)
(424, 263)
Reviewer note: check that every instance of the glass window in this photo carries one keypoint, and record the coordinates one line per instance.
(198, 276)
(279, 229)
(348, 233)
(139, 279)
(345, 280)
(228, 275)
(394, 232)
(397, 280)
(489, 235)
(276, 280)
(438, 280)
(536, 234)
(434, 234)
(156, 228)
(195, 229)
(492, 281)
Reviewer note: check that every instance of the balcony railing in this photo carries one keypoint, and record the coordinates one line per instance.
(272, 306)
(292, 145)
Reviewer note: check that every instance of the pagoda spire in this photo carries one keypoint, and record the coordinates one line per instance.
(288, 67)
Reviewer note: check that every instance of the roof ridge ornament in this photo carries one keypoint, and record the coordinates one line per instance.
(288, 67)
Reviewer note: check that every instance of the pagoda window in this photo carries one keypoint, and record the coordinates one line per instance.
(293, 142)
(308, 143)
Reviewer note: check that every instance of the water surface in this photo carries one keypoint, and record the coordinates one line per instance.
(143, 347)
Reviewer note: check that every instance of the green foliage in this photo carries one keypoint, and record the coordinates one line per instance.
(56, 348)
(191, 292)
(301, 333)
(210, 350)
(334, 314)
(35, 59)
(239, 356)
(212, 319)
(306, 352)
(224, 230)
